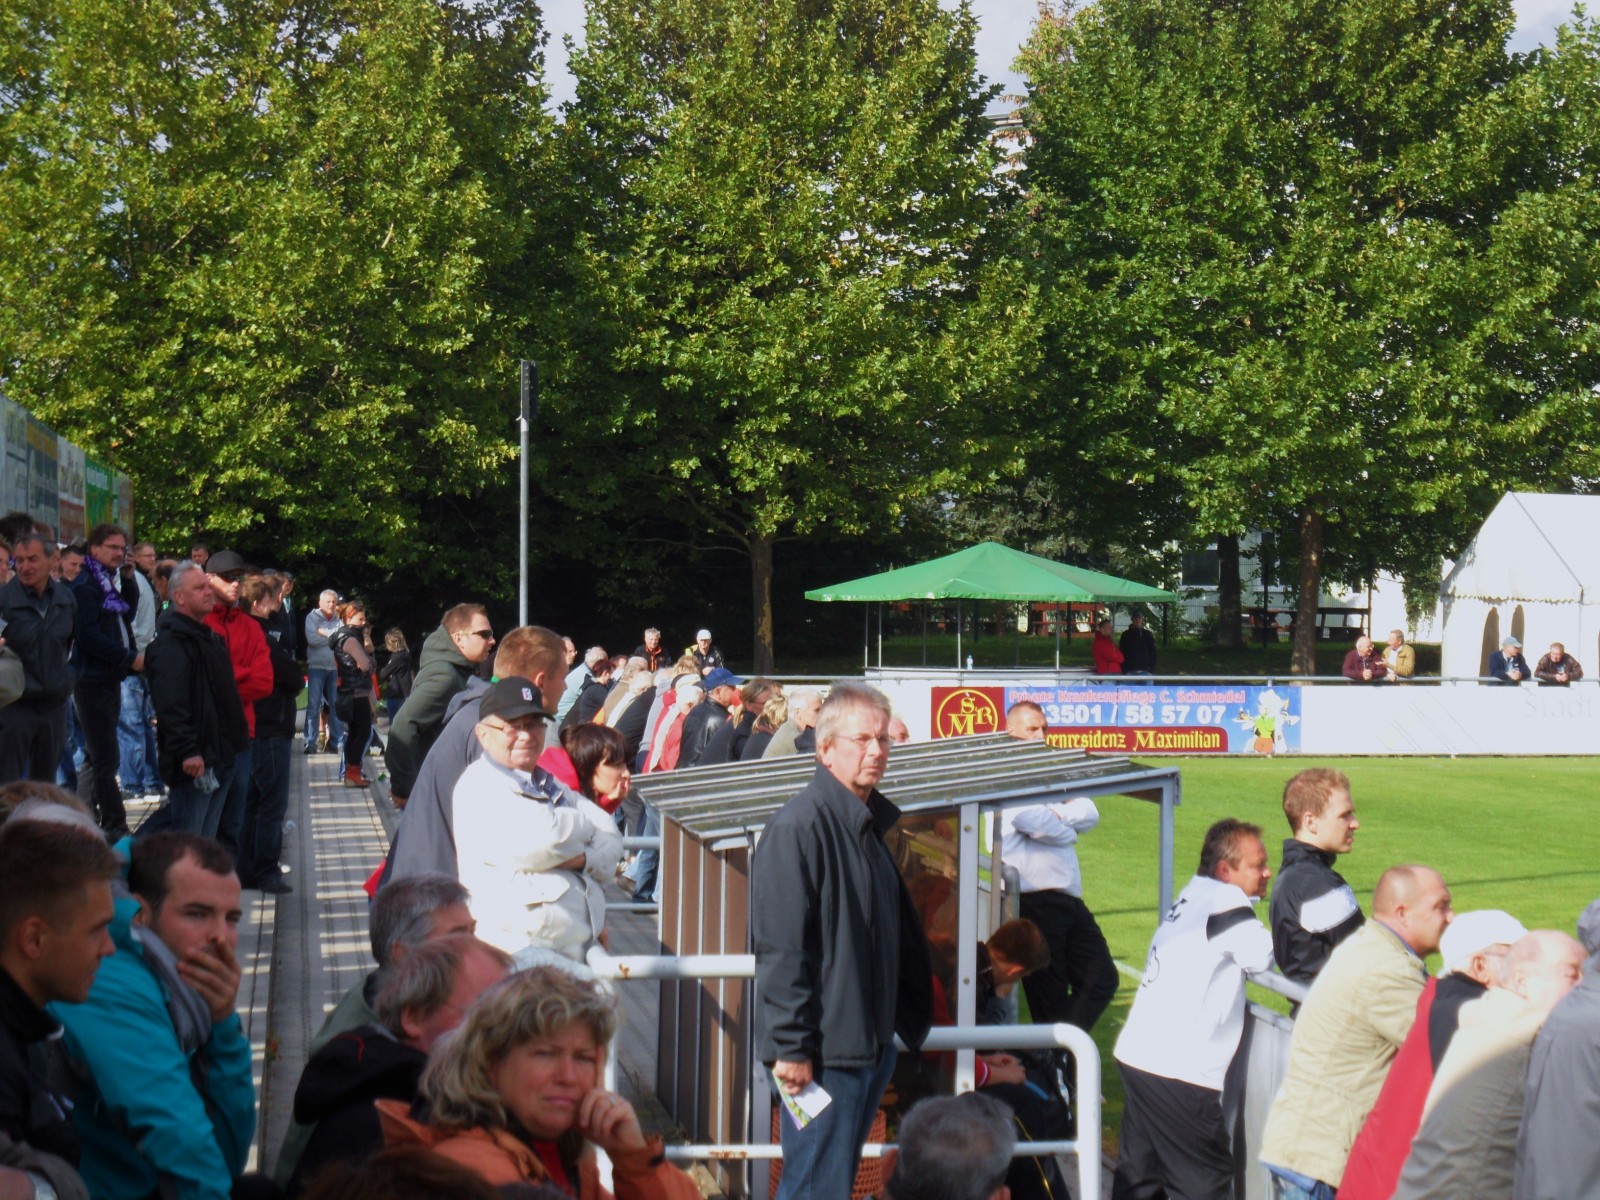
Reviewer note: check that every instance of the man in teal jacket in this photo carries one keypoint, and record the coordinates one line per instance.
(167, 1104)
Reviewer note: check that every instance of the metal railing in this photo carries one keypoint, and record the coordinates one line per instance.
(1085, 1056)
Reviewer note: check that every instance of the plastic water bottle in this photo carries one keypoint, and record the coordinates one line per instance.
(207, 783)
(969, 662)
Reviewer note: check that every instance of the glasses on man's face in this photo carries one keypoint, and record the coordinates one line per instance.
(115, 547)
(862, 740)
(511, 733)
(486, 634)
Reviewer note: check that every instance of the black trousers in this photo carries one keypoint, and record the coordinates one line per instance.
(1174, 1142)
(99, 704)
(358, 731)
(1081, 979)
(31, 738)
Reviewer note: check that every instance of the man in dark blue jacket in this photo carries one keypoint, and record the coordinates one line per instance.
(102, 656)
(842, 961)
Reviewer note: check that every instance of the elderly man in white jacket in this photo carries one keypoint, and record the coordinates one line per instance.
(1039, 842)
(534, 855)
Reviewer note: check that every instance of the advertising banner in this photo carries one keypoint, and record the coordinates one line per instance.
(54, 481)
(1131, 718)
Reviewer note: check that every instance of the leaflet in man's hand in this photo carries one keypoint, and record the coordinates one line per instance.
(806, 1105)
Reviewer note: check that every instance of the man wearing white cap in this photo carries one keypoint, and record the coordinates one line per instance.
(706, 655)
(1558, 1146)
(1467, 1144)
(1507, 664)
(1472, 949)
(534, 860)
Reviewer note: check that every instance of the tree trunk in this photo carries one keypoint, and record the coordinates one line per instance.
(1303, 661)
(761, 600)
(1228, 610)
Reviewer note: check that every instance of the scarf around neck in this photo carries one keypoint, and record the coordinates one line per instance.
(111, 598)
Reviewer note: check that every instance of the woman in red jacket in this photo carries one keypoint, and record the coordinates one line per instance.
(1107, 657)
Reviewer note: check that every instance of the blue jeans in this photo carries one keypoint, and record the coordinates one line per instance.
(261, 841)
(188, 809)
(645, 871)
(1290, 1185)
(136, 737)
(230, 809)
(821, 1159)
(322, 687)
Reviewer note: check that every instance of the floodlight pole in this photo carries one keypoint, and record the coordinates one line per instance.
(529, 405)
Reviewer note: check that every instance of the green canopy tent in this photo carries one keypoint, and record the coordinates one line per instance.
(990, 571)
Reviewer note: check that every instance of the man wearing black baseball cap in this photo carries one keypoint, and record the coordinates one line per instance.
(534, 856)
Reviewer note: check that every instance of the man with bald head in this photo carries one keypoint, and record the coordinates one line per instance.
(1468, 1140)
(1353, 1022)
(425, 844)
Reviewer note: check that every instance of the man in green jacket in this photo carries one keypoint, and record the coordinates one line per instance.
(169, 1107)
(450, 655)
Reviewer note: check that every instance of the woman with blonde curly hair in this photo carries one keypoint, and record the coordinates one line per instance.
(514, 1094)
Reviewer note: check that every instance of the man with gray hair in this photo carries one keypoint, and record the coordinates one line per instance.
(953, 1148)
(201, 729)
(842, 961)
(1468, 1140)
(322, 673)
(424, 998)
(406, 915)
(1558, 1144)
(578, 677)
(797, 735)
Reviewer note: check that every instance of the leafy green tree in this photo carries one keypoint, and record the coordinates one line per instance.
(262, 257)
(793, 328)
(1264, 231)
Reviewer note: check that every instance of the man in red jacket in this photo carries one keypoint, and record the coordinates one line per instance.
(252, 671)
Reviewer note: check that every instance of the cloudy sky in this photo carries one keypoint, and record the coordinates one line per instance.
(1003, 25)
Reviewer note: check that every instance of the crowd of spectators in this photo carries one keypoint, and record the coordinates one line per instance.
(471, 1058)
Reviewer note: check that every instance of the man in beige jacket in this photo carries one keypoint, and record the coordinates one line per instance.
(1349, 1029)
(1467, 1146)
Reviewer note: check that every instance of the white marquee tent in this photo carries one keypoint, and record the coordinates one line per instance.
(1532, 571)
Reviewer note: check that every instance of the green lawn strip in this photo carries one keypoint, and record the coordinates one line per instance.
(1505, 833)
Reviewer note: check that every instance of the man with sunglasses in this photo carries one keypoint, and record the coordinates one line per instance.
(450, 656)
(534, 856)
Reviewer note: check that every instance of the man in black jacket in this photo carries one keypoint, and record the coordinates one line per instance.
(722, 690)
(423, 1000)
(727, 741)
(39, 615)
(200, 725)
(1138, 648)
(103, 653)
(842, 961)
(1313, 908)
(55, 916)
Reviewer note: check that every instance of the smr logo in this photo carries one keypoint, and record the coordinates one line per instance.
(960, 711)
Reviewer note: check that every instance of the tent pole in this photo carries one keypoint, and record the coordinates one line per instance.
(924, 633)
(958, 635)
(866, 638)
(1058, 639)
(880, 635)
